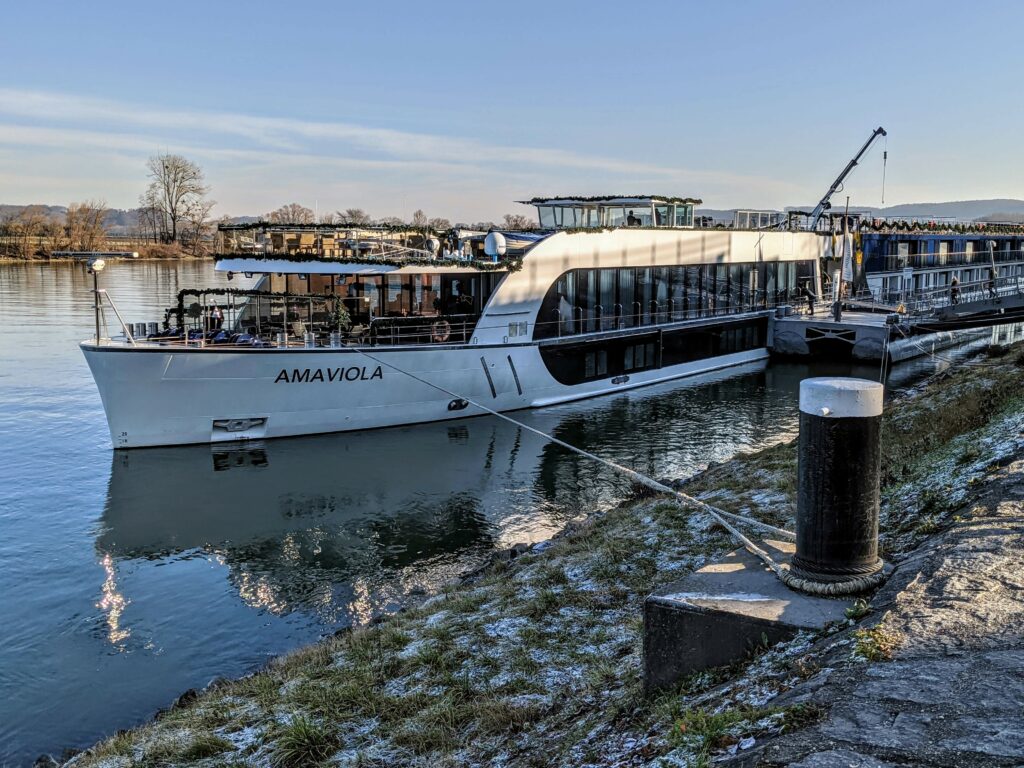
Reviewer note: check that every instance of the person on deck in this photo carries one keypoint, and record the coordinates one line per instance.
(806, 293)
(954, 292)
(991, 284)
(216, 317)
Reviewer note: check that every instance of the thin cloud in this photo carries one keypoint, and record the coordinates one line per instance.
(290, 153)
(286, 134)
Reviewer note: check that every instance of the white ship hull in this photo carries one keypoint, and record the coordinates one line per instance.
(684, 305)
(157, 395)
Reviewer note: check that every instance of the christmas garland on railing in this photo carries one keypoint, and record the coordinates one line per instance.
(318, 227)
(939, 227)
(612, 198)
(509, 264)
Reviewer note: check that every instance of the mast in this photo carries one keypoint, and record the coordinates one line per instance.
(823, 205)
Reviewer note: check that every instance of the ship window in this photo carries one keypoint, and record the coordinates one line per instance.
(546, 215)
(628, 311)
(684, 216)
(641, 215)
(567, 218)
(595, 364)
(661, 216)
(395, 297)
(609, 314)
(614, 217)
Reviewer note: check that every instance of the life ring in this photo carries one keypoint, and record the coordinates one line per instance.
(440, 331)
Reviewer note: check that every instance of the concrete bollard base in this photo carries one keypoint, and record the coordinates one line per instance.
(718, 614)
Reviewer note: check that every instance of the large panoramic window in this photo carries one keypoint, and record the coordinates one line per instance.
(592, 300)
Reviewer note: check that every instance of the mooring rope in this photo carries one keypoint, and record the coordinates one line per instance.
(720, 516)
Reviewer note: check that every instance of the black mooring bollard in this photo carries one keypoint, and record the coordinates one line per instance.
(839, 465)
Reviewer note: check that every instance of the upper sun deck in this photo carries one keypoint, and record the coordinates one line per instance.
(613, 211)
(265, 247)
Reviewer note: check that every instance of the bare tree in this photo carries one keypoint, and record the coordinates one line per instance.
(149, 217)
(31, 231)
(480, 226)
(293, 213)
(516, 221)
(439, 225)
(177, 184)
(84, 225)
(419, 220)
(391, 221)
(353, 216)
(197, 225)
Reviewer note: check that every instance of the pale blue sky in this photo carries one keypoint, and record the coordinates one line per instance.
(460, 108)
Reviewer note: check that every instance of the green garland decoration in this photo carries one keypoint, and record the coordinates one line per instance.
(512, 264)
(939, 228)
(318, 227)
(610, 198)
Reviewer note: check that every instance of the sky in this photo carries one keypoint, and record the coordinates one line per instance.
(460, 109)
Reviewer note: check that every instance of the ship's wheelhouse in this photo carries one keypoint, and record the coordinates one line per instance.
(608, 212)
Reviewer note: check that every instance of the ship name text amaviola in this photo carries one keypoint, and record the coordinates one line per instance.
(310, 375)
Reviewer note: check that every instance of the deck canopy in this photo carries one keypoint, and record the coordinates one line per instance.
(614, 211)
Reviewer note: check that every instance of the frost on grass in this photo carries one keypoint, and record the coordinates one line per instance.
(537, 661)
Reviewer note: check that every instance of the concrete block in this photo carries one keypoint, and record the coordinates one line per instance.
(718, 614)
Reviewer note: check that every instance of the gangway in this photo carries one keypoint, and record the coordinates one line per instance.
(875, 330)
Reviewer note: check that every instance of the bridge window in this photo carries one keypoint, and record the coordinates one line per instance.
(546, 216)
(568, 218)
(615, 217)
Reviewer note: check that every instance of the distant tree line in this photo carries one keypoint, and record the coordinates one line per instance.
(37, 230)
(294, 213)
(174, 218)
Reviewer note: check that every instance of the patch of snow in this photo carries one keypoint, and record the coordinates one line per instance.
(244, 738)
(507, 627)
(436, 618)
(414, 648)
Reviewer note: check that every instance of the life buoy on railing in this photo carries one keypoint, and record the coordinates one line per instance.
(440, 331)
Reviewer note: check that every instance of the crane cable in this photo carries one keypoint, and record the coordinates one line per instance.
(834, 589)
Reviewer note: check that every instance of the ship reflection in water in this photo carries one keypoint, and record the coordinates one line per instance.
(344, 527)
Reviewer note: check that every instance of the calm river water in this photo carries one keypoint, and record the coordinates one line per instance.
(128, 577)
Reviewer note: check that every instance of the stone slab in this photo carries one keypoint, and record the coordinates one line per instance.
(720, 613)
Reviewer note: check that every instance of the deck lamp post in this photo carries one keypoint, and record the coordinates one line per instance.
(94, 267)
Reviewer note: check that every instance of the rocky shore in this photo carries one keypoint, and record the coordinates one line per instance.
(535, 660)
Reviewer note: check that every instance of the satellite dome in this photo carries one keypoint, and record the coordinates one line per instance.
(494, 244)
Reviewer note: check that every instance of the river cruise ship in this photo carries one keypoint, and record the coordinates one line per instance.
(351, 327)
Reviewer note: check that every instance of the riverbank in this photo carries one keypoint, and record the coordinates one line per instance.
(146, 253)
(536, 659)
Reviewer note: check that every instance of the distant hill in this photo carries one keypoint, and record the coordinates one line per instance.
(50, 211)
(997, 209)
(960, 209)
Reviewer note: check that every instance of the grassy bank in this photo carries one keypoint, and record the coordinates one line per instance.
(536, 660)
